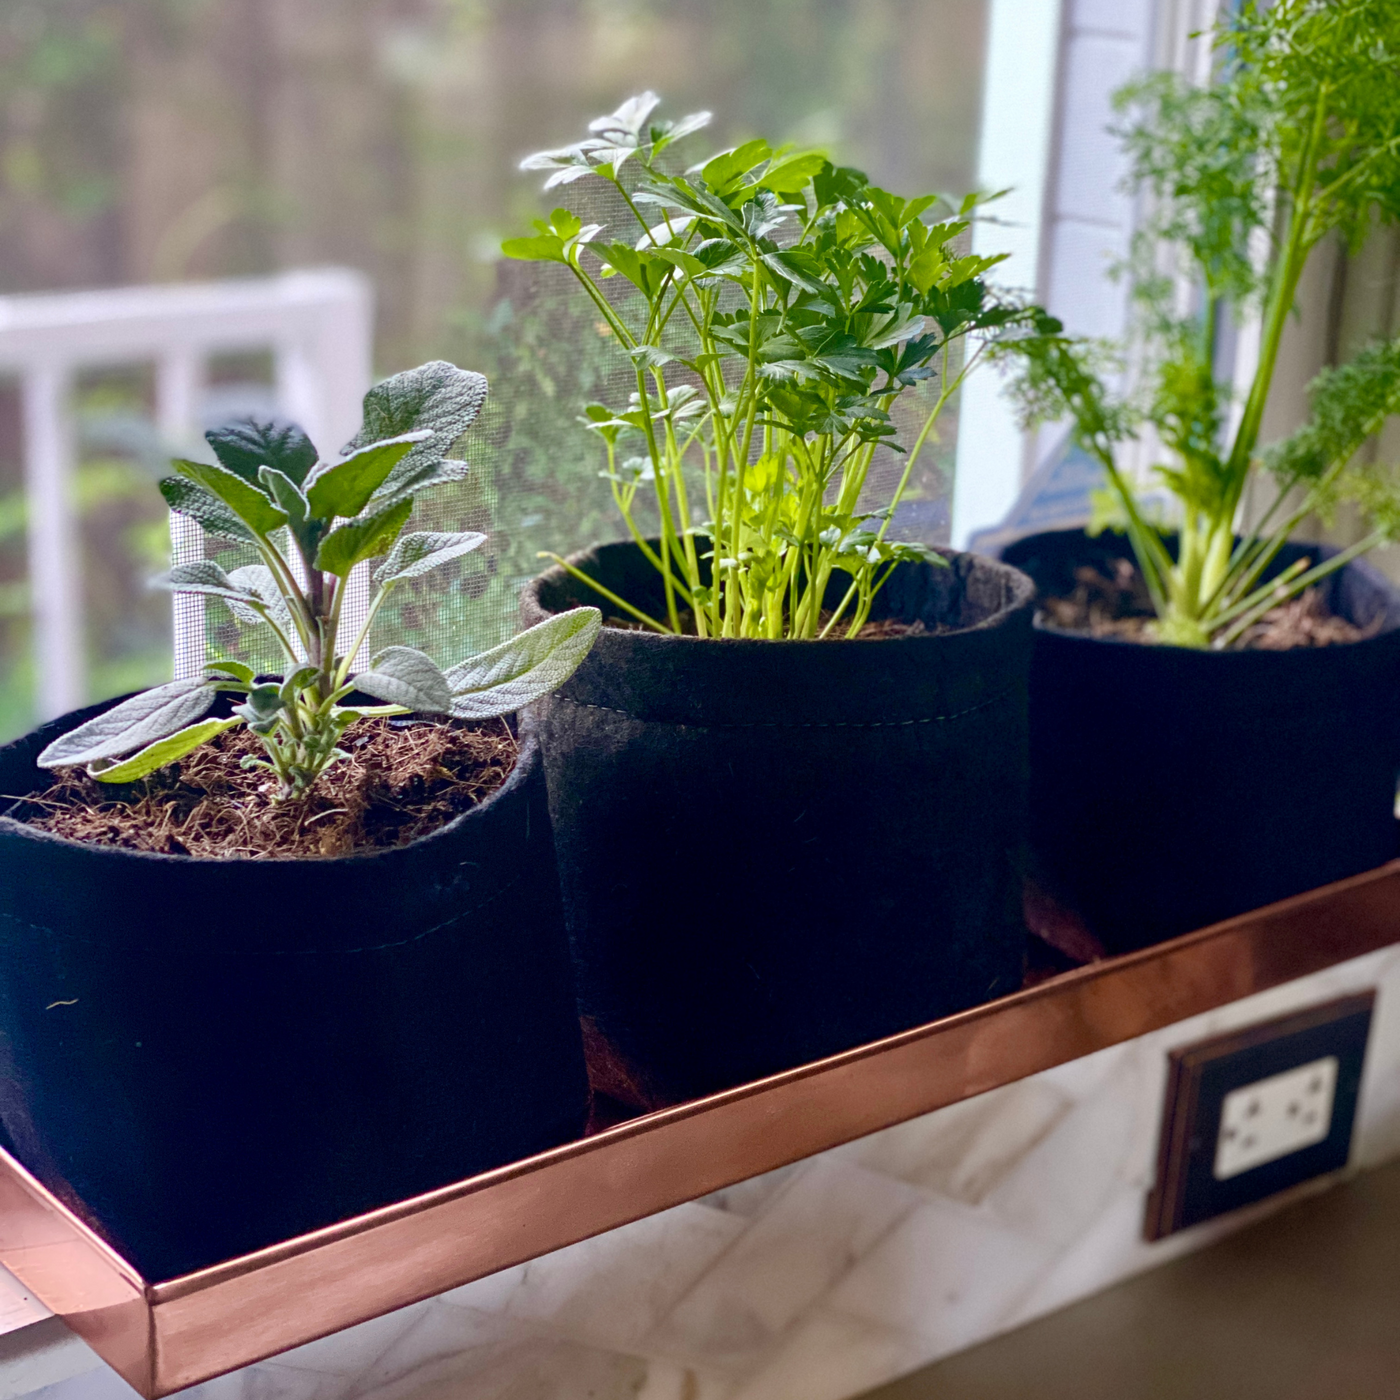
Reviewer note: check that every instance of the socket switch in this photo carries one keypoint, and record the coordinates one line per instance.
(1272, 1117)
(1257, 1110)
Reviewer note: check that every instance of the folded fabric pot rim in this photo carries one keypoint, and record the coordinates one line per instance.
(744, 682)
(556, 589)
(204, 1057)
(1255, 679)
(865, 801)
(1172, 787)
(1376, 597)
(1215, 656)
(239, 903)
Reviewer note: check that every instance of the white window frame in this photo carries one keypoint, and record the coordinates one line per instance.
(1052, 67)
(318, 327)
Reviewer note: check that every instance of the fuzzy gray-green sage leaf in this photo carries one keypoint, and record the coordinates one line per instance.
(131, 725)
(525, 667)
(312, 521)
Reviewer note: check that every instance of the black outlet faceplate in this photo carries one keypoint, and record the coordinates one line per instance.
(1201, 1075)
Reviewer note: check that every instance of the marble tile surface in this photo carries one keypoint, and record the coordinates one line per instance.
(615, 1289)
(828, 1277)
(18, 1306)
(826, 1218)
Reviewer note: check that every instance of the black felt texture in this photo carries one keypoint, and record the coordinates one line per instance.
(1172, 788)
(205, 1057)
(771, 851)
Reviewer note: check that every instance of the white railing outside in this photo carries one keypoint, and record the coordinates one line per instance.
(317, 326)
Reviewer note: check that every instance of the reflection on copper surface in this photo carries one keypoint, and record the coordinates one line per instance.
(75, 1274)
(165, 1335)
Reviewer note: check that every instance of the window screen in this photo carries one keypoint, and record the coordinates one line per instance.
(165, 140)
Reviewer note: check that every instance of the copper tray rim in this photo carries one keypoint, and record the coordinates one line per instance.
(647, 1123)
(164, 1335)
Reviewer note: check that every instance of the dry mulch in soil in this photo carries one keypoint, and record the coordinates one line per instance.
(876, 630)
(403, 779)
(1115, 603)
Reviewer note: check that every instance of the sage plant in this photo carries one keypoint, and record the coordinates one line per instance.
(779, 307)
(1296, 140)
(312, 521)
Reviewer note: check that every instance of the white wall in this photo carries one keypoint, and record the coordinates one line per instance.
(1013, 154)
(1076, 218)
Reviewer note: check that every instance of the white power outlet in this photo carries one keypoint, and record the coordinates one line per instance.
(1274, 1117)
(1258, 1109)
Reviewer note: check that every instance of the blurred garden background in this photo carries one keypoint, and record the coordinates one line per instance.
(159, 141)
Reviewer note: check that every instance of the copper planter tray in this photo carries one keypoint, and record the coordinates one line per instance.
(163, 1336)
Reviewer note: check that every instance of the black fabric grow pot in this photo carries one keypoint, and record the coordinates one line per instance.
(772, 851)
(205, 1057)
(1172, 788)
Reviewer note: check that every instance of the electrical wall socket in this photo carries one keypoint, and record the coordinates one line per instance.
(1255, 1111)
(1272, 1117)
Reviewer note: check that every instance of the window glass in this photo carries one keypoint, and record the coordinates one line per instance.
(147, 141)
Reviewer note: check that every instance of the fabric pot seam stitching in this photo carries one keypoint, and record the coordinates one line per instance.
(807, 724)
(292, 952)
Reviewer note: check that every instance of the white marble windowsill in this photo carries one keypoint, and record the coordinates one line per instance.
(36, 1349)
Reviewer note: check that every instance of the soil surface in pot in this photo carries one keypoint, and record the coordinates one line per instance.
(403, 779)
(1113, 602)
(877, 629)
